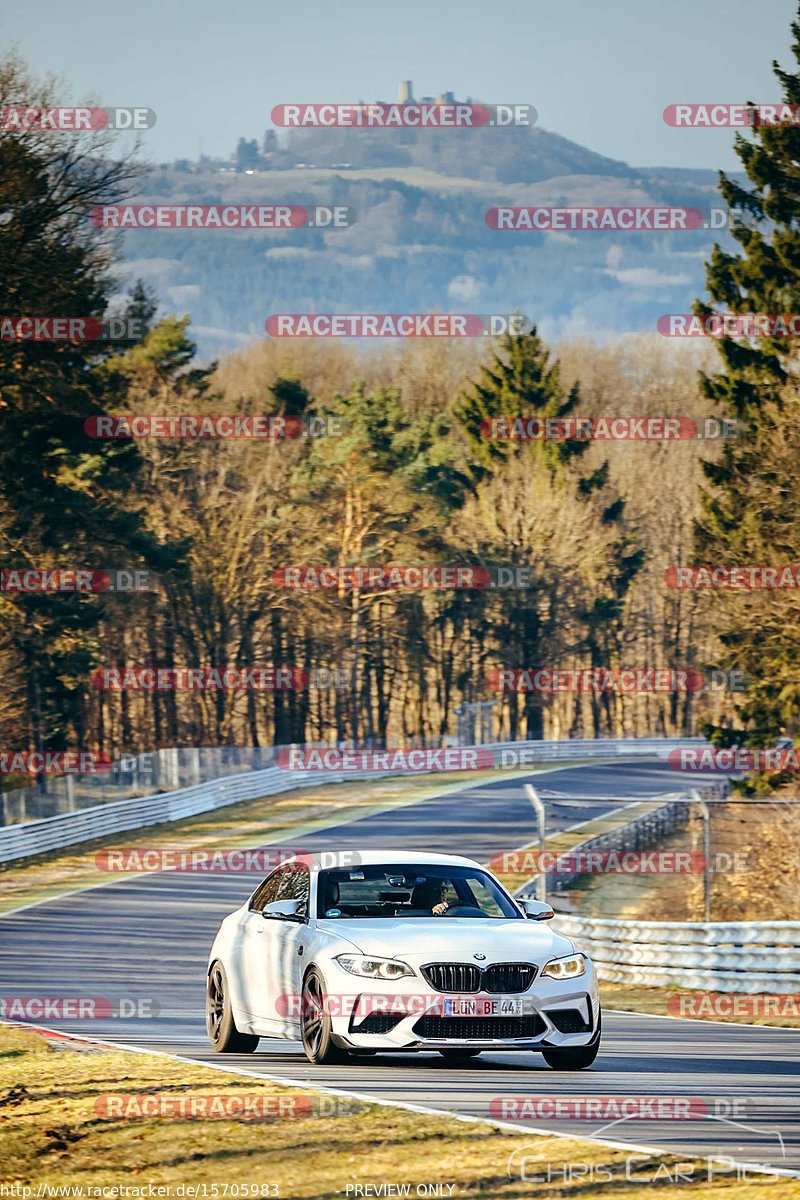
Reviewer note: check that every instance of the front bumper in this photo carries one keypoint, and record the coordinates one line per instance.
(407, 1015)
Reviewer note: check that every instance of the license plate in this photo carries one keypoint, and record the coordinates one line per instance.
(482, 1007)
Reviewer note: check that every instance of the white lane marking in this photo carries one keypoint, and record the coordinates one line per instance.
(634, 1012)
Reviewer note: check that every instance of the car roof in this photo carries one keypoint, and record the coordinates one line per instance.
(328, 859)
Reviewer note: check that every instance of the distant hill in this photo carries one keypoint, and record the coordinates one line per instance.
(420, 242)
(511, 155)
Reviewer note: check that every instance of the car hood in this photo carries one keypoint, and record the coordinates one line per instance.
(452, 939)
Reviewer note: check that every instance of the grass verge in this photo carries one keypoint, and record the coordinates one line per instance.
(781, 1011)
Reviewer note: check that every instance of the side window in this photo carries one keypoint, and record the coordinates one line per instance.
(290, 882)
(484, 899)
(267, 891)
(295, 884)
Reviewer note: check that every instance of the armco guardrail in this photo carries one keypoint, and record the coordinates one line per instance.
(66, 829)
(51, 833)
(750, 957)
(509, 754)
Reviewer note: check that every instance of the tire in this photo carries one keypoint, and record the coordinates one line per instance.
(458, 1053)
(577, 1058)
(315, 1022)
(222, 1032)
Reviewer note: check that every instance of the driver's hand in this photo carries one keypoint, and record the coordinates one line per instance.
(439, 909)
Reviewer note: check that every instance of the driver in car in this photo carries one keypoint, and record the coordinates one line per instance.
(431, 894)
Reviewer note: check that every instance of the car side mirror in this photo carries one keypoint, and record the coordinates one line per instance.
(537, 910)
(287, 910)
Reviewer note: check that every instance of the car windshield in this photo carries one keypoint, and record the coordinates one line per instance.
(411, 891)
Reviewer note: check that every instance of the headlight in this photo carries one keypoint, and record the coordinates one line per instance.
(373, 968)
(566, 968)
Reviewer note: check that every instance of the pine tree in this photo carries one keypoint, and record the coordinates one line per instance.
(142, 306)
(518, 381)
(521, 381)
(63, 496)
(746, 487)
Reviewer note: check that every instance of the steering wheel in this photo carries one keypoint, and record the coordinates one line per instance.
(462, 910)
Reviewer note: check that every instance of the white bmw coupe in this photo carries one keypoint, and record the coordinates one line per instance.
(404, 951)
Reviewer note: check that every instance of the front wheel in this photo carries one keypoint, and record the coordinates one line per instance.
(315, 1022)
(575, 1058)
(222, 1031)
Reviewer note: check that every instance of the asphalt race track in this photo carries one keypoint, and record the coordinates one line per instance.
(149, 937)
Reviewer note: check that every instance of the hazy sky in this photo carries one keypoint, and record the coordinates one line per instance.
(598, 71)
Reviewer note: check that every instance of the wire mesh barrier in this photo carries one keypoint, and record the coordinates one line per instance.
(131, 776)
(643, 832)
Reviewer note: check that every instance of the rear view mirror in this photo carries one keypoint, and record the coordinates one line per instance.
(537, 910)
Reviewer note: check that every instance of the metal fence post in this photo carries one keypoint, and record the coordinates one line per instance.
(541, 878)
(704, 813)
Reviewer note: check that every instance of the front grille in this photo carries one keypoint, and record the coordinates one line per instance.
(377, 1023)
(453, 977)
(508, 977)
(569, 1020)
(464, 977)
(486, 1028)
